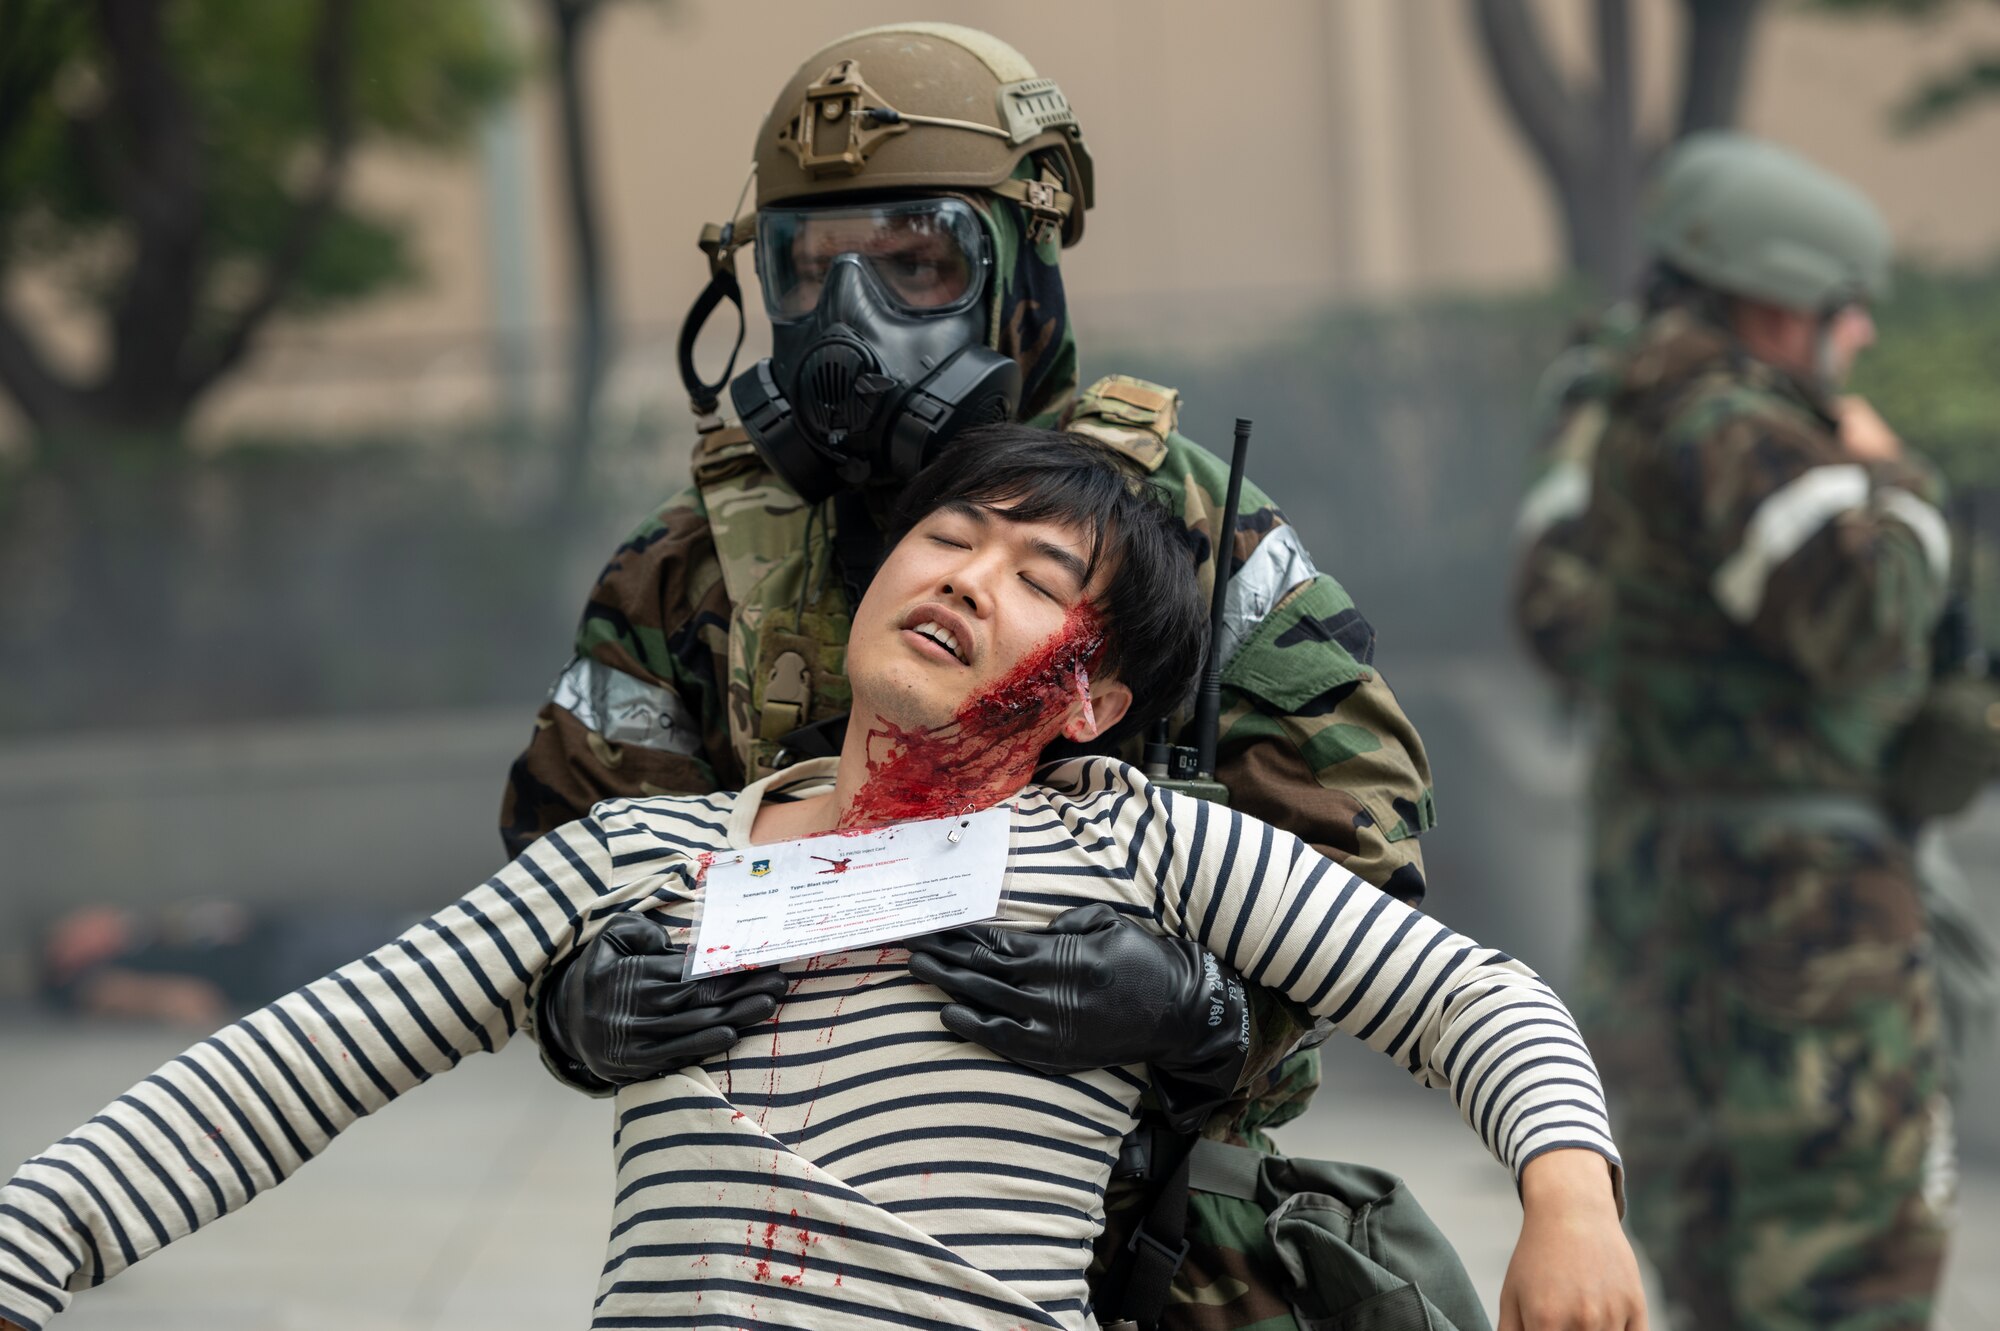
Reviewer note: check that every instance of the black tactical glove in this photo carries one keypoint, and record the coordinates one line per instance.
(618, 1011)
(1094, 991)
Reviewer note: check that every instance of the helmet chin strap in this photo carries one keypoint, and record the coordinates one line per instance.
(719, 242)
(704, 397)
(1828, 373)
(1824, 368)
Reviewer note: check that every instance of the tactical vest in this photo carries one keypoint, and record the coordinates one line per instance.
(789, 616)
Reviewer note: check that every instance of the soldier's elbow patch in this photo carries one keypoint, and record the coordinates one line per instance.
(1299, 658)
(1275, 569)
(1302, 667)
(1345, 628)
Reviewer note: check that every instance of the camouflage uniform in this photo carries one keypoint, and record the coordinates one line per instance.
(1758, 986)
(1560, 601)
(1561, 606)
(721, 624)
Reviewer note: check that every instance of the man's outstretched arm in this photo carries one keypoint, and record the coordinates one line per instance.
(243, 1110)
(1454, 1014)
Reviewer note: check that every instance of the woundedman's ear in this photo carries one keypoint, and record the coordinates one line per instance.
(1108, 705)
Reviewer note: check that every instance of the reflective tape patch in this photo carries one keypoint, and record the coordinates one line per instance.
(1562, 493)
(625, 710)
(1790, 516)
(1940, 1168)
(1278, 564)
(1933, 532)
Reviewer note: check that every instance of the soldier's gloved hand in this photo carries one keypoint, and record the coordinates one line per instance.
(1095, 991)
(1948, 752)
(618, 1011)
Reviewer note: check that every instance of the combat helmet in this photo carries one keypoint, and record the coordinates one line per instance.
(926, 106)
(899, 110)
(1684, 170)
(1746, 217)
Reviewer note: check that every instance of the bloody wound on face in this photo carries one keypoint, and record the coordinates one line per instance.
(989, 748)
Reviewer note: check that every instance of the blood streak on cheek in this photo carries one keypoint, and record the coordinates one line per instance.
(988, 750)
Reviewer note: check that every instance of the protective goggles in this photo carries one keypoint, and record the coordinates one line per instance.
(929, 256)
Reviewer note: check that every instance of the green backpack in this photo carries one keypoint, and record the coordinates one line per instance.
(1346, 1246)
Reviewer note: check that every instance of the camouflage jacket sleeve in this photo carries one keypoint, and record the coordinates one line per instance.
(639, 708)
(1312, 738)
(1834, 565)
(1561, 598)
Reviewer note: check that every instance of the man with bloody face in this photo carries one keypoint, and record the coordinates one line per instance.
(855, 1163)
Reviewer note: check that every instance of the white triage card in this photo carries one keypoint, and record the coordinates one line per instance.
(790, 899)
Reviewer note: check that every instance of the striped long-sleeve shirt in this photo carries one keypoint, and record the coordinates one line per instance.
(850, 1164)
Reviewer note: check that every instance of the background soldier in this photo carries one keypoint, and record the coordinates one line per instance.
(915, 185)
(1562, 598)
(1758, 979)
(1561, 602)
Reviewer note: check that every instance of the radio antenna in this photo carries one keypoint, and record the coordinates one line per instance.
(1176, 766)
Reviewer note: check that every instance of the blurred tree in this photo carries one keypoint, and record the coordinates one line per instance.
(1940, 96)
(1587, 140)
(178, 167)
(590, 350)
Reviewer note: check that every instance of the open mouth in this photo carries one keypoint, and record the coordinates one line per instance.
(939, 633)
(942, 636)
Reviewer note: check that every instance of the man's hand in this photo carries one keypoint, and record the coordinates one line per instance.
(1865, 434)
(1095, 991)
(1572, 1268)
(619, 1012)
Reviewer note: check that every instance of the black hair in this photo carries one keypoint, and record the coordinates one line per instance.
(1155, 624)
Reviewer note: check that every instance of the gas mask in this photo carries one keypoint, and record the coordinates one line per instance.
(878, 316)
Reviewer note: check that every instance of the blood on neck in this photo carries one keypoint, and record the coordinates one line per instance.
(988, 749)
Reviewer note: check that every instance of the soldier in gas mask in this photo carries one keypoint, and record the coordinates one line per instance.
(915, 185)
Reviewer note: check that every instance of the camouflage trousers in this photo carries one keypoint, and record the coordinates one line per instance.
(1758, 993)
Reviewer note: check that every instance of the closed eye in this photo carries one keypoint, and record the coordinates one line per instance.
(1043, 590)
(947, 541)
